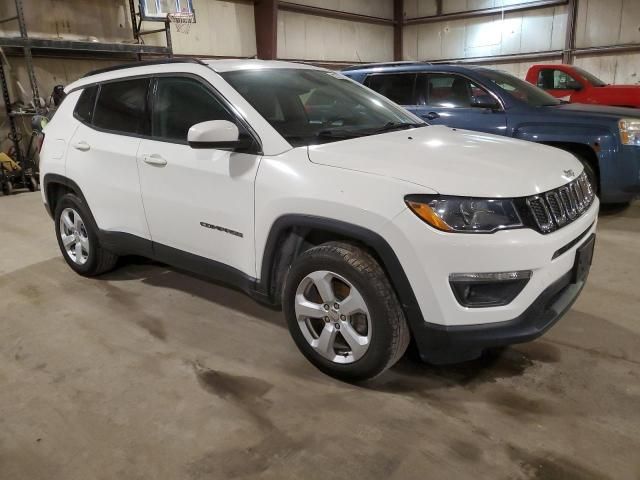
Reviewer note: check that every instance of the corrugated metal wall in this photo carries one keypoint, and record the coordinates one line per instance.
(599, 23)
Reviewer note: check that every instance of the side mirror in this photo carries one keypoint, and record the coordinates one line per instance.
(218, 134)
(485, 101)
(573, 85)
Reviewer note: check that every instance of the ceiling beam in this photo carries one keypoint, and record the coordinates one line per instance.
(337, 14)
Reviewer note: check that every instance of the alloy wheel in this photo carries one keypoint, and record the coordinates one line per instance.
(73, 234)
(333, 317)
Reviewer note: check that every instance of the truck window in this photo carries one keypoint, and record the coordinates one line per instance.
(397, 87)
(554, 79)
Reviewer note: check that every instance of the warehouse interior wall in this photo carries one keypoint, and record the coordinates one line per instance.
(227, 29)
(598, 23)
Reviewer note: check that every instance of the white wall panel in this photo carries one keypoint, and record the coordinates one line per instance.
(419, 8)
(622, 69)
(524, 32)
(311, 37)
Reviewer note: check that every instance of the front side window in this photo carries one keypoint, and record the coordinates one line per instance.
(554, 79)
(448, 90)
(86, 102)
(519, 89)
(397, 87)
(180, 103)
(122, 107)
(315, 106)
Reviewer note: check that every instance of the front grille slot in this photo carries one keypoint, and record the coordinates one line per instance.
(561, 206)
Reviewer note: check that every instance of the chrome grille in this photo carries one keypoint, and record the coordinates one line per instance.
(559, 207)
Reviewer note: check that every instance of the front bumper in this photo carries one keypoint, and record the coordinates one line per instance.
(444, 330)
(439, 344)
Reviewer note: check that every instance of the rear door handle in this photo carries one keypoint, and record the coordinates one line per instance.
(154, 159)
(82, 146)
(431, 116)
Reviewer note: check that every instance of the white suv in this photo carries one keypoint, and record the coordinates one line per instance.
(309, 191)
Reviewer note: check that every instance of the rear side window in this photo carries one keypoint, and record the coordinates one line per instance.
(86, 102)
(397, 87)
(180, 103)
(122, 107)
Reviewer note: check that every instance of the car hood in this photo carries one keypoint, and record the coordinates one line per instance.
(580, 109)
(454, 162)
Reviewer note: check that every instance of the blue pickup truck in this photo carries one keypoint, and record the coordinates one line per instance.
(605, 139)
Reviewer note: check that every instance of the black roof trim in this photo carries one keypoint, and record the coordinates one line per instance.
(144, 64)
(363, 66)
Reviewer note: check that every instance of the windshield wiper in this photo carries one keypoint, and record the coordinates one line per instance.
(390, 126)
(339, 133)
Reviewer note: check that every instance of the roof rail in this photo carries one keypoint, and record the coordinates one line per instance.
(144, 64)
(386, 64)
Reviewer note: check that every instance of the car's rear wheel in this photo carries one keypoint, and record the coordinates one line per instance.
(77, 237)
(343, 313)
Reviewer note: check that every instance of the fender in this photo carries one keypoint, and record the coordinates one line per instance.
(600, 139)
(54, 178)
(286, 226)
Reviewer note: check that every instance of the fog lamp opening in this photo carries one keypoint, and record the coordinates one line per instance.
(477, 290)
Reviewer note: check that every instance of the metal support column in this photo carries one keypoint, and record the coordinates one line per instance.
(13, 130)
(27, 56)
(398, 20)
(570, 37)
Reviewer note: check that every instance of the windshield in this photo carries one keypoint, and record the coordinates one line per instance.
(590, 77)
(521, 90)
(308, 107)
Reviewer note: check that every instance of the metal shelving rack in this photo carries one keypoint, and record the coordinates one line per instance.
(29, 45)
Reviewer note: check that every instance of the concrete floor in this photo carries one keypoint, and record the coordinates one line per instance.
(149, 373)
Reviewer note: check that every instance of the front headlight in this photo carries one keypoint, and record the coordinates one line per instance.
(630, 131)
(463, 214)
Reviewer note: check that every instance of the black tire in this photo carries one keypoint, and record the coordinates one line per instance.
(32, 183)
(7, 188)
(99, 260)
(389, 331)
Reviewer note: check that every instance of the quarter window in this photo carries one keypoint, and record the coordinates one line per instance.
(179, 104)
(122, 107)
(397, 87)
(86, 102)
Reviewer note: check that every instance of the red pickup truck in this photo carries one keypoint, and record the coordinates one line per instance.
(576, 85)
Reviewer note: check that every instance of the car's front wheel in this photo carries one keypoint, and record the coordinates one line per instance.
(78, 239)
(343, 313)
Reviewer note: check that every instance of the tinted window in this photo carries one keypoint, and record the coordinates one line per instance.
(122, 107)
(519, 89)
(397, 87)
(591, 78)
(315, 106)
(551, 79)
(86, 102)
(451, 91)
(180, 103)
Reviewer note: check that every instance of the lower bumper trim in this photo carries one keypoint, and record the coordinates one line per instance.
(440, 344)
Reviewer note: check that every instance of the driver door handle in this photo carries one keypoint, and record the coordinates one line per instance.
(82, 146)
(431, 116)
(154, 159)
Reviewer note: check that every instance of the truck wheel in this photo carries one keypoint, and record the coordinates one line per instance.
(343, 313)
(78, 240)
